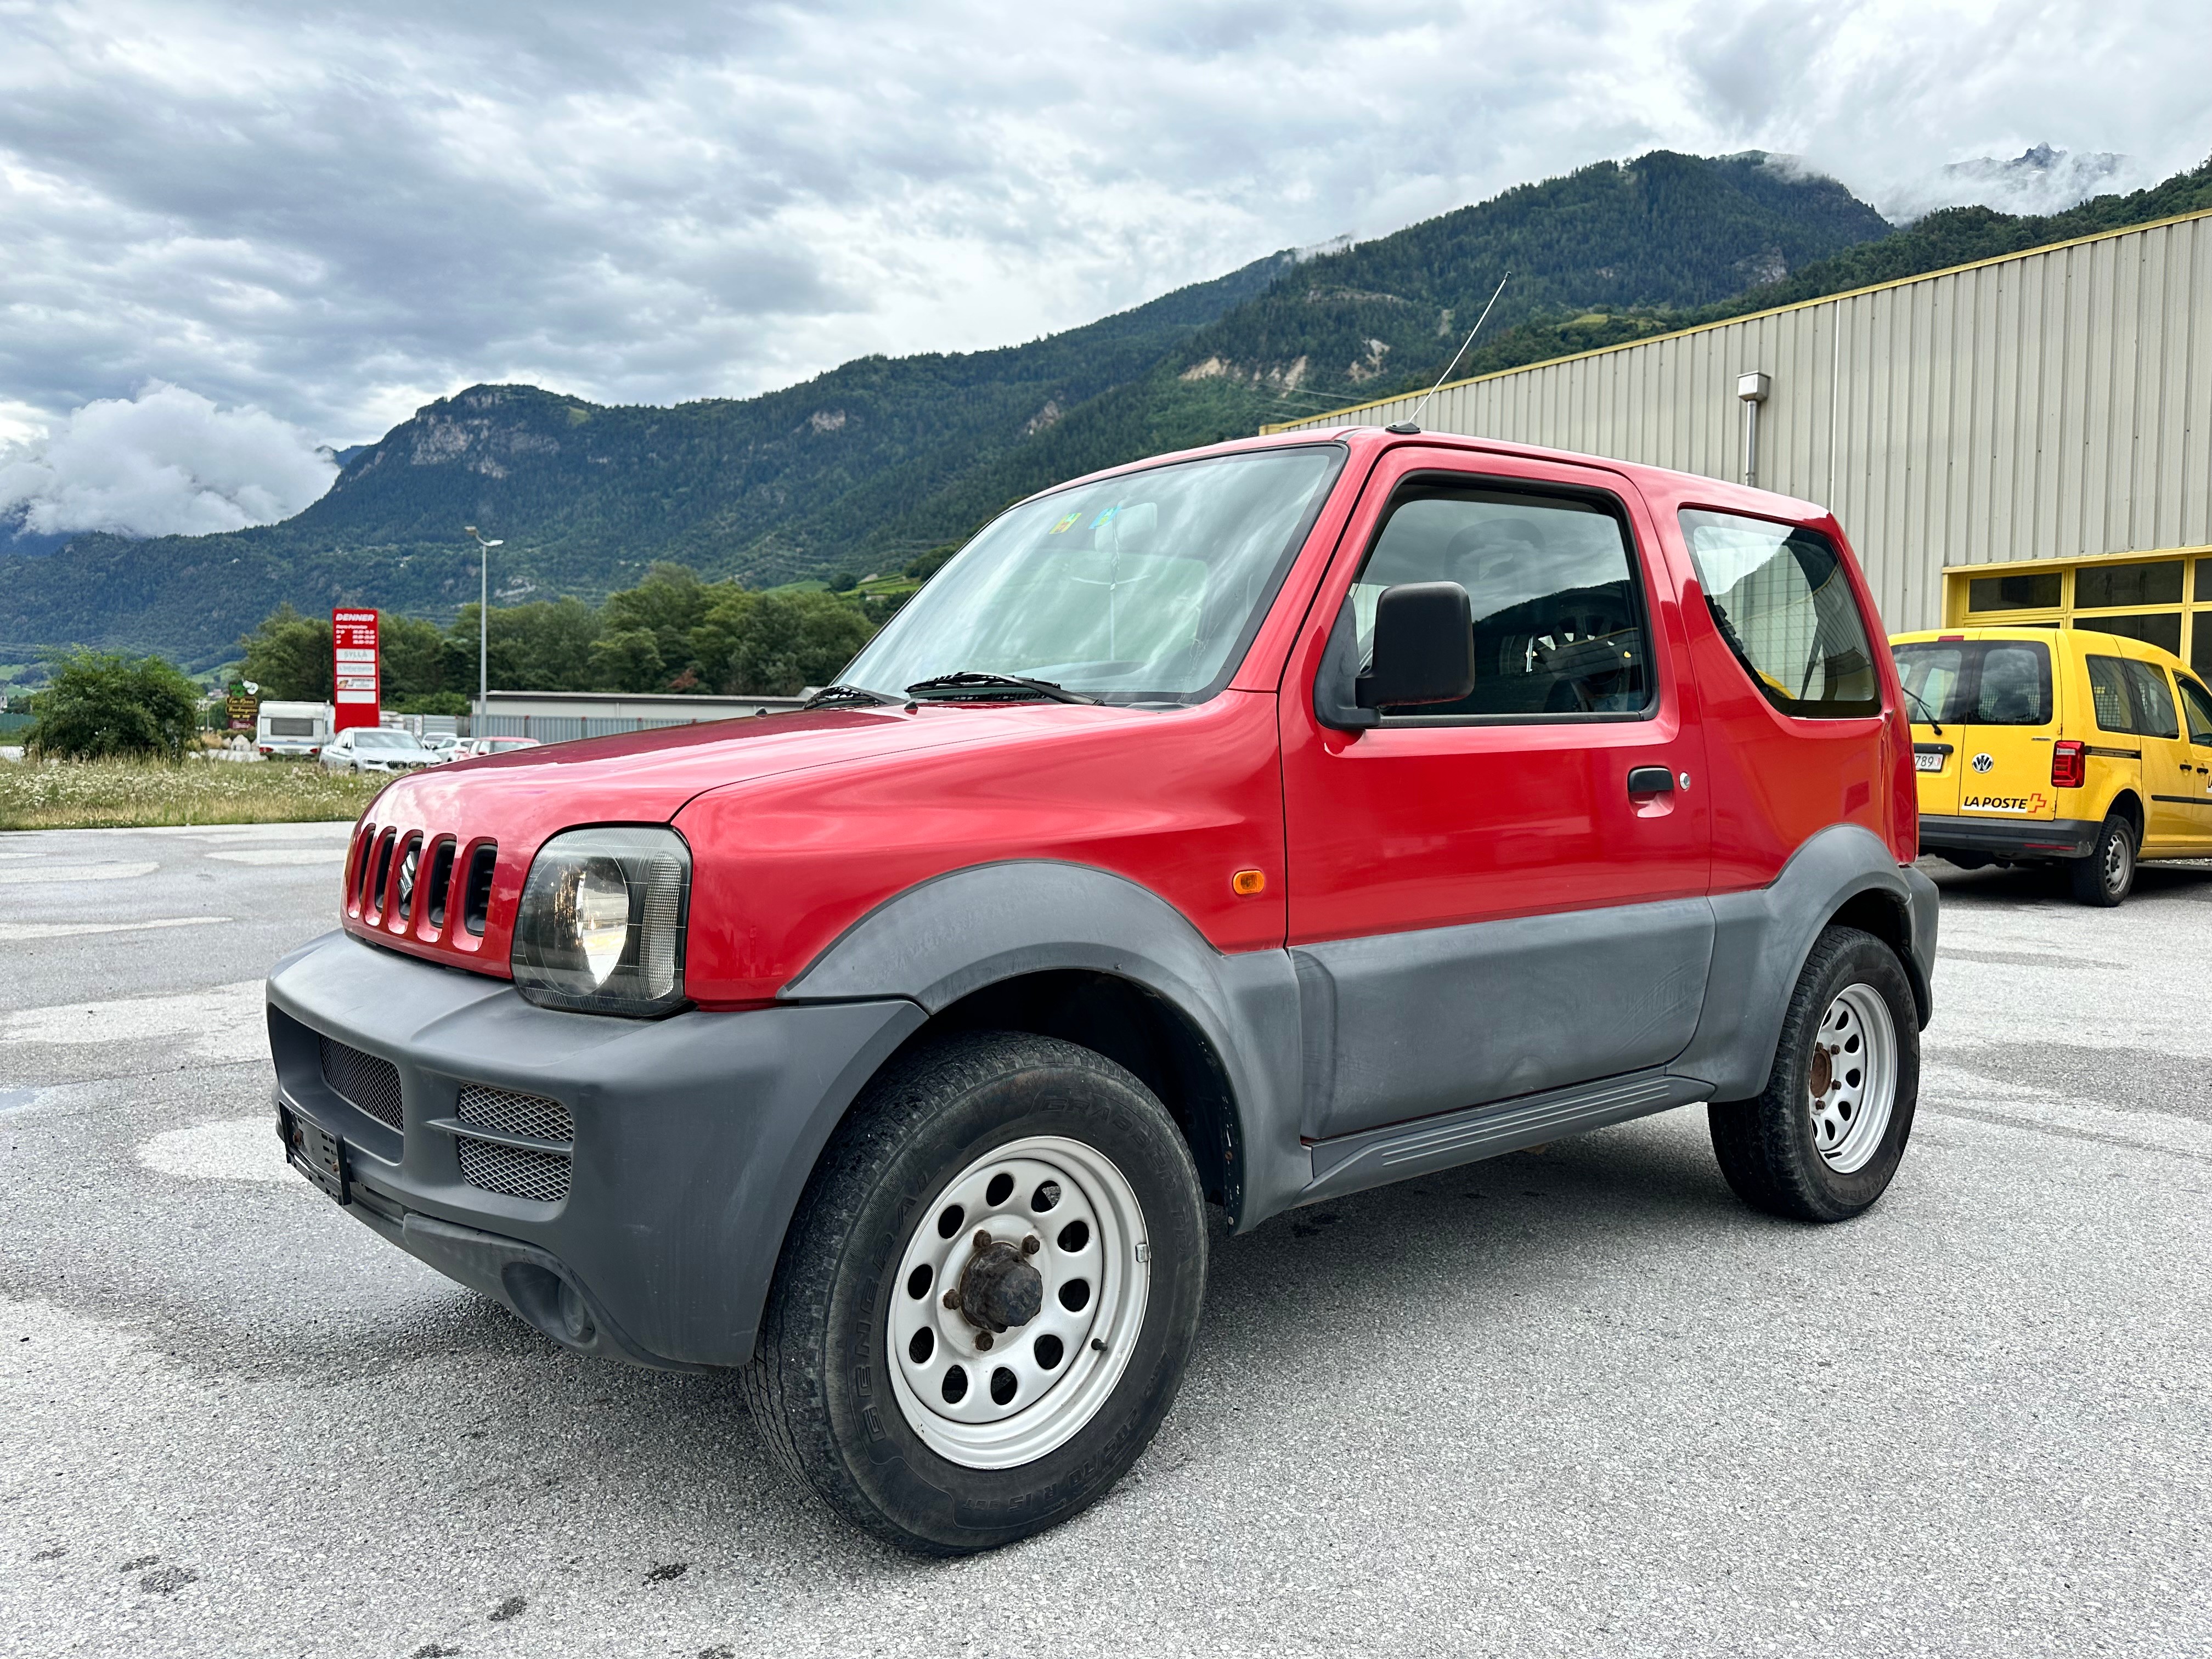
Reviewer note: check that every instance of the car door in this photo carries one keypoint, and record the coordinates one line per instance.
(1480, 906)
(2169, 768)
(2196, 720)
(2188, 782)
(2008, 721)
(1934, 673)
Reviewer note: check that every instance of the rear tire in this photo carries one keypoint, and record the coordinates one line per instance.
(2107, 876)
(936, 1185)
(1822, 1141)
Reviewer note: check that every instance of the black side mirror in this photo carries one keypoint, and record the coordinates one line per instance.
(1424, 646)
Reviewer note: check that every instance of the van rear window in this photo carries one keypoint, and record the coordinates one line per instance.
(1977, 682)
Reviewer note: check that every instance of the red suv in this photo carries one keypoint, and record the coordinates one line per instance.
(1219, 835)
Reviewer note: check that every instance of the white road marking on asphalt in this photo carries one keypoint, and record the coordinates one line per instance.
(54, 872)
(283, 856)
(237, 1149)
(14, 932)
(320, 831)
(222, 1024)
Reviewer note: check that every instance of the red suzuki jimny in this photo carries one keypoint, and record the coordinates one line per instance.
(1239, 829)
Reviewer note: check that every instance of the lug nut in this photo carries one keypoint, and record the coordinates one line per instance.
(982, 1238)
(1031, 1245)
(952, 1297)
(982, 1339)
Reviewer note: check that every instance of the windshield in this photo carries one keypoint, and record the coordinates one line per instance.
(385, 740)
(1140, 588)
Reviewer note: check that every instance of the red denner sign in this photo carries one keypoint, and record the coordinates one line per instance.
(355, 691)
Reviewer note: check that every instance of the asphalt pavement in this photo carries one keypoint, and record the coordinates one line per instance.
(1576, 1403)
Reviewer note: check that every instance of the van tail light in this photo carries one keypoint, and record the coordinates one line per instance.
(2070, 767)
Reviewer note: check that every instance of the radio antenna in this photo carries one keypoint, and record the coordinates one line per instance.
(1413, 423)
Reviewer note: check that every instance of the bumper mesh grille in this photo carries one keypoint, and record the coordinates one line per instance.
(542, 1177)
(369, 1083)
(515, 1171)
(516, 1115)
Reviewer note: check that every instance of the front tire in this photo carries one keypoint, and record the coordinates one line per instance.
(2107, 876)
(1822, 1141)
(987, 1297)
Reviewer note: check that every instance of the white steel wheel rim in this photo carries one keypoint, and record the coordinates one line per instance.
(2119, 854)
(1853, 1078)
(1090, 1234)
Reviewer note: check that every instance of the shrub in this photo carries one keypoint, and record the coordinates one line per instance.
(103, 705)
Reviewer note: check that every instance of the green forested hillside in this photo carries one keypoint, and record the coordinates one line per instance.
(862, 468)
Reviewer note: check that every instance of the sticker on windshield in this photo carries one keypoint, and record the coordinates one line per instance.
(1105, 518)
(1064, 524)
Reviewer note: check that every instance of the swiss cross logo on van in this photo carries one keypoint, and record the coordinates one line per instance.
(1983, 762)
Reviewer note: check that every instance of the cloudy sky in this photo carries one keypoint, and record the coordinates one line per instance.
(230, 232)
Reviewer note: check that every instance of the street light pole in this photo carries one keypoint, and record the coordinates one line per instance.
(483, 629)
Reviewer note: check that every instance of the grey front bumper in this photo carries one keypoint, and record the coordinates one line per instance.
(694, 1136)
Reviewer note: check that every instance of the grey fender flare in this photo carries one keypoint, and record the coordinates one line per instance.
(1762, 937)
(938, 941)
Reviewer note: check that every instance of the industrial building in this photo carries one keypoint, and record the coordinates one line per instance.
(2026, 438)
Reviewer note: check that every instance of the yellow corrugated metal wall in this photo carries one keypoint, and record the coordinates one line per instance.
(2050, 405)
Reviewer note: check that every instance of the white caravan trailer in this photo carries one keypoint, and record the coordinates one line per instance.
(292, 728)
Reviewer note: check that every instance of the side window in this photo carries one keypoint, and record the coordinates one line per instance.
(1558, 613)
(2197, 706)
(2153, 702)
(1778, 594)
(2108, 694)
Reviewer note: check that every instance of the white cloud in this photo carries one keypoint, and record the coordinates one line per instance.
(166, 462)
(338, 213)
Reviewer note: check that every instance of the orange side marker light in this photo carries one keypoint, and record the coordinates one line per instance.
(1245, 883)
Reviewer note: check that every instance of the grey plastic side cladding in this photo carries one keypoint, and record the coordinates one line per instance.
(936, 943)
(1761, 939)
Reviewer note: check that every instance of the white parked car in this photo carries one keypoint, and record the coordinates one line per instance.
(444, 745)
(375, 749)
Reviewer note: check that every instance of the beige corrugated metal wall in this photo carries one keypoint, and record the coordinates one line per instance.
(2050, 405)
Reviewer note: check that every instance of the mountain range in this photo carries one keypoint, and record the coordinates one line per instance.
(863, 468)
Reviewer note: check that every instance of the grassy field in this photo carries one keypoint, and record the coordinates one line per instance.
(145, 794)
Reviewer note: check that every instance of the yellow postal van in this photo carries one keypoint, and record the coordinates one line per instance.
(2058, 746)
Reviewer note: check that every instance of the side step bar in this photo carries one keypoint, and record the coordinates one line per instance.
(1347, 1163)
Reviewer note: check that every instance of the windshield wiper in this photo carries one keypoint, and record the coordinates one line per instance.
(841, 692)
(973, 682)
(1921, 702)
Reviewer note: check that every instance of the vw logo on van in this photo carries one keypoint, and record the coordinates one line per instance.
(1983, 762)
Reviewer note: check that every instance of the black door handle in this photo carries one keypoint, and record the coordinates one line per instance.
(1651, 780)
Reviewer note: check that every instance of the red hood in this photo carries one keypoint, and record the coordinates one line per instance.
(521, 799)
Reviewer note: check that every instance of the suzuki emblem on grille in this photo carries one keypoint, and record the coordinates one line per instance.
(1982, 764)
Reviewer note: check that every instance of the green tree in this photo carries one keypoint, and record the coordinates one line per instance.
(776, 644)
(668, 604)
(289, 657)
(103, 704)
(626, 660)
(410, 659)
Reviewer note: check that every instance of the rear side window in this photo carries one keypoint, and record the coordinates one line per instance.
(1558, 617)
(1977, 682)
(1779, 596)
(2131, 696)
(2198, 707)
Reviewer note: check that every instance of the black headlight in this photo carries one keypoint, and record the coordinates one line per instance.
(600, 929)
